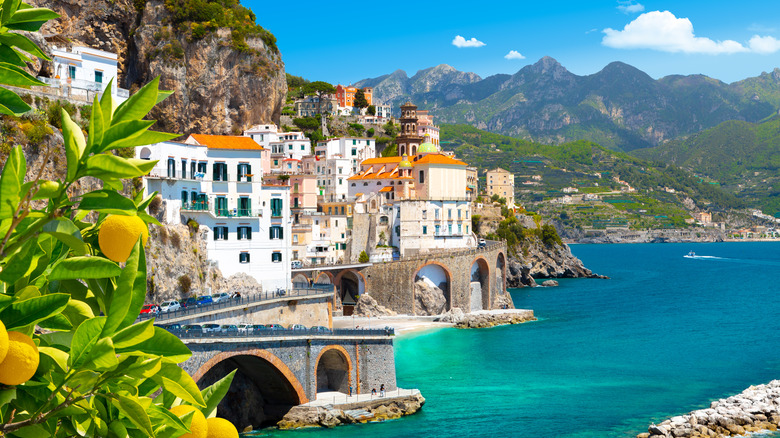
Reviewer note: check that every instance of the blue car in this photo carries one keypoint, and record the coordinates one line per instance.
(204, 300)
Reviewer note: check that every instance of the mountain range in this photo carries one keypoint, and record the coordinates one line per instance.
(619, 107)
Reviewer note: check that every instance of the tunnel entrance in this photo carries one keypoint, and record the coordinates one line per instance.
(260, 394)
(333, 372)
(479, 285)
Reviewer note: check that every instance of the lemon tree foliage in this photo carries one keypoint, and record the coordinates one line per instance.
(96, 371)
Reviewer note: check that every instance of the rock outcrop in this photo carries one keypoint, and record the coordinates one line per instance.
(329, 416)
(545, 261)
(368, 307)
(218, 89)
(429, 299)
(492, 318)
(755, 409)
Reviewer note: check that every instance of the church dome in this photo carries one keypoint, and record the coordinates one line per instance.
(405, 164)
(427, 147)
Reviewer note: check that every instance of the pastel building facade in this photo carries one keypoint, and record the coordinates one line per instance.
(84, 69)
(501, 182)
(209, 179)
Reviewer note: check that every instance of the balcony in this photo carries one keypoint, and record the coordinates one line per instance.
(195, 206)
(238, 212)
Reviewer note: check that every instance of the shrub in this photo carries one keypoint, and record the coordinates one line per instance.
(193, 225)
(36, 132)
(185, 283)
(363, 257)
(175, 240)
(154, 206)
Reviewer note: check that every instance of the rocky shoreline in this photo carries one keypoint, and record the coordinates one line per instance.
(755, 409)
(376, 410)
(487, 318)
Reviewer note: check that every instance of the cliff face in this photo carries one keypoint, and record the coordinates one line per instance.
(218, 89)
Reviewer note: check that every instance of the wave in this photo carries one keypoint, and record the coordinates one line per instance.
(733, 260)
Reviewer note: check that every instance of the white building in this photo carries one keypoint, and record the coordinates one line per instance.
(356, 149)
(210, 179)
(83, 70)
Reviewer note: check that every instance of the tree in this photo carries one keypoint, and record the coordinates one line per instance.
(99, 372)
(363, 257)
(390, 151)
(360, 100)
(319, 89)
(370, 132)
(371, 111)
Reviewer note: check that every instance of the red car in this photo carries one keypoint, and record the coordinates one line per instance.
(149, 308)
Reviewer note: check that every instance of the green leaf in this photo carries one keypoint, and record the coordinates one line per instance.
(116, 429)
(163, 94)
(172, 426)
(134, 334)
(64, 230)
(143, 203)
(18, 265)
(75, 144)
(47, 189)
(32, 431)
(109, 202)
(84, 267)
(8, 9)
(138, 291)
(11, 104)
(84, 380)
(7, 395)
(149, 219)
(139, 104)
(145, 368)
(24, 43)
(139, 139)
(107, 107)
(120, 301)
(110, 166)
(11, 181)
(13, 75)
(136, 413)
(84, 339)
(32, 310)
(56, 322)
(121, 134)
(58, 356)
(78, 311)
(214, 393)
(163, 343)
(96, 127)
(32, 15)
(179, 383)
(102, 356)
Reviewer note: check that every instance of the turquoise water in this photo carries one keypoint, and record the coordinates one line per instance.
(664, 336)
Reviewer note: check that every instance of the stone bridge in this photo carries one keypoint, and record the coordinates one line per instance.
(470, 279)
(275, 373)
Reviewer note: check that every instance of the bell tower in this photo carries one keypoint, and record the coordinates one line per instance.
(408, 140)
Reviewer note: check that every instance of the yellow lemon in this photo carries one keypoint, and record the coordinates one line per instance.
(119, 233)
(198, 427)
(3, 341)
(21, 361)
(221, 428)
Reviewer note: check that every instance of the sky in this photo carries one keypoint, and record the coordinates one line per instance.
(344, 42)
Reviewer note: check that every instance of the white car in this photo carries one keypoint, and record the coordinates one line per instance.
(244, 328)
(218, 298)
(170, 306)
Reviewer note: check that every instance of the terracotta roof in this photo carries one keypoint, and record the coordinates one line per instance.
(227, 142)
(386, 189)
(382, 160)
(439, 159)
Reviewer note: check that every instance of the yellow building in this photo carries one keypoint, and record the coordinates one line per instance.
(502, 183)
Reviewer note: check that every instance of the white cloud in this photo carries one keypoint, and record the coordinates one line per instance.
(663, 31)
(629, 7)
(764, 45)
(514, 54)
(755, 27)
(461, 42)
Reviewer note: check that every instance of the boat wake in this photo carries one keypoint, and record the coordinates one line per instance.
(732, 260)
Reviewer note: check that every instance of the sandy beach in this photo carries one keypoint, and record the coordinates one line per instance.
(403, 324)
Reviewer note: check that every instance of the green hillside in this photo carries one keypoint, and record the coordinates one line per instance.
(659, 200)
(744, 158)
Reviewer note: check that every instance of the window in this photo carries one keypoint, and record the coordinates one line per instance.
(353, 184)
(425, 229)
(276, 207)
(422, 177)
(425, 214)
(341, 181)
(243, 170)
(449, 229)
(244, 233)
(220, 233)
(354, 152)
(193, 169)
(243, 257)
(244, 206)
(276, 257)
(72, 71)
(342, 209)
(460, 229)
(171, 168)
(459, 214)
(202, 167)
(449, 213)
(397, 230)
(220, 172)
(220, 206)
(276, 232)
(295, 240)
(184, 196)
(437, 229)
(295, 255)
(99, 77)
(467, 229)
(436, 213)
(289, 147)
(183, 168)
(354, 142)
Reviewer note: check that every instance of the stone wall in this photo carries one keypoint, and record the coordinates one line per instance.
(392, 284)
(308, 311)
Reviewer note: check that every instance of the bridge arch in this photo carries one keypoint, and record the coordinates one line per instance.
(300, 278)
(324, 278)
(432, 274)
(350, 284)
(262, 391)
(333, 369)
(479, 282)
(500, 273)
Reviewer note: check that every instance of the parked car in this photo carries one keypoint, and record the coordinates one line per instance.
(244, 328)
(172, 327)
(228, 328)
(189, 302)
(208, 328)
(192, 328)
(296, 327)
(170, 306)
(204, 300)
(149, 309)
(296, 264)
(218, 298)
(322, 329)
(274, 326)
(482, 243)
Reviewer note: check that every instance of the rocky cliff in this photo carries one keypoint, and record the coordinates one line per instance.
(223, 82)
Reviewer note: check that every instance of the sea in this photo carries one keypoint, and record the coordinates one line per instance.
(663, 336)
